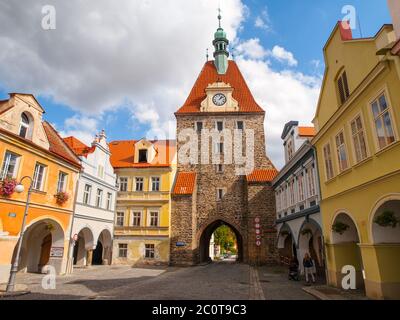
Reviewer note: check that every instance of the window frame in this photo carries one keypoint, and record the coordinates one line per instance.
(118, 216)
(43, 177)
(64, 188)
(149, 248)
(152, 183)
(376, 97)
(109, 200)
(357, 134)
(140, 151)
(220, 198)
(133, 211)
(125, 183)
(6, 162)
(149, 218)
(28, 126)
(346, 153)
(99, 198)
(122, 249)
(330, 169)
(136, 184)
(342, 75)
(196, 128)
(88, 193)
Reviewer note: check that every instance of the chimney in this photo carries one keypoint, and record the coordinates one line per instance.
(345, 30)
(394, 8)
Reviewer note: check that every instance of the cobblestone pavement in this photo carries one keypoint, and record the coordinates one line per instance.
(276, 286)
(215, 281)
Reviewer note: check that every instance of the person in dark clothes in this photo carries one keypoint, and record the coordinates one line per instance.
(308, 265)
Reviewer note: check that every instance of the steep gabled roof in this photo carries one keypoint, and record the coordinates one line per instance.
(123, 152)
(233, 76)
(58, 146)
(78, 147)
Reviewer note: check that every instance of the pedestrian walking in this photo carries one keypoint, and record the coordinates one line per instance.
(308, 265)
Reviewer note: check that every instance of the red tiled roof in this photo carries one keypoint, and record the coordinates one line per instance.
(233, 76)
(307, 131)
(184, 183)
(78, 147)
(123, 152)
(58, 146)
(262, 175)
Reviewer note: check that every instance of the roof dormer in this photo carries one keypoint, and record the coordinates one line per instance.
(145, 151)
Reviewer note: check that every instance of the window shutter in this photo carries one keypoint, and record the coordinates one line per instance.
(346, 86)
(341, 91)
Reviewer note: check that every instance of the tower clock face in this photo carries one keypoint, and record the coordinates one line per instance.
(219, 99)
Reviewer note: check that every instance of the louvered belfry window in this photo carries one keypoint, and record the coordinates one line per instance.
(343, 87)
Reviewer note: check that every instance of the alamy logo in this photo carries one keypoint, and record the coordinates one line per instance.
(349, 280)
(49, 18)
(350, 17)
(49, 280)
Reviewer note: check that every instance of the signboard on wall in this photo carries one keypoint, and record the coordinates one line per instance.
(180, 244)
(56, 252)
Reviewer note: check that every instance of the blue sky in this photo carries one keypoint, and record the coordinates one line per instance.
(300, 27)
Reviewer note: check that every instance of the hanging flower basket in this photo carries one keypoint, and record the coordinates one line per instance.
(306, 231)
(340, 227)
(61, 197)
(387, 219)
(7, 187)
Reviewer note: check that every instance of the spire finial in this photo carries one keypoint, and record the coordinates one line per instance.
(219, 16)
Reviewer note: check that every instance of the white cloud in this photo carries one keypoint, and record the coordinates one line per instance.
(263, 20)
(251, 49)
(281, 54)
(285, 96)
(103, 55)
(82, 127)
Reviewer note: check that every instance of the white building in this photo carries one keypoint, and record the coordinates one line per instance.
(298, 218)
(93, 223)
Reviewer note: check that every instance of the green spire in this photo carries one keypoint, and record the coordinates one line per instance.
(220, 44)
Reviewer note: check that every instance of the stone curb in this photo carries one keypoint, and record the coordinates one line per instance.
(4, 294)
(321, 296)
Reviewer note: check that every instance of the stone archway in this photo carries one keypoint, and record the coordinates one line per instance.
(205, 236)
(43, 244)
(103, 251)
(311, 241)
(286, 244)
(82, 246)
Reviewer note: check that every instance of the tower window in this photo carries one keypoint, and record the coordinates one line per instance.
(143, 155)
(199, 126)
(220, 125)
(343, 87)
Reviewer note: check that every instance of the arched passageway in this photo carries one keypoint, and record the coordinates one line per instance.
(346, 240)
(102, 252)
(204, 244)
(286, 245)
(43, 244)
(82, 246)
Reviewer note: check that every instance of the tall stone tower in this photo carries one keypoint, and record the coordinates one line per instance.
(209, 190)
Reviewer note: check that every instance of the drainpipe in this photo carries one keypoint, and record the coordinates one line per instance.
(70, 244)
(320, 199)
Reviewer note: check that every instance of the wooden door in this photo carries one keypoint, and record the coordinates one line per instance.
(45, 251)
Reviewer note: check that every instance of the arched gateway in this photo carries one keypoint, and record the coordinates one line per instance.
(223, 171)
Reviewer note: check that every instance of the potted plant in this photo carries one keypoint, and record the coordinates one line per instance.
(61, 197)
(340, 227)
(7, 187)
(387, 219)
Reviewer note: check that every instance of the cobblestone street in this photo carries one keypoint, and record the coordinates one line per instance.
(216, 281)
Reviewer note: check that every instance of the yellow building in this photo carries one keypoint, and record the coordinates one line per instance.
(31, 147)
(145, 171)
(358, 150)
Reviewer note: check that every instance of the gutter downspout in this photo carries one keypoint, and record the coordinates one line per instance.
(70, 265)
(320, 200)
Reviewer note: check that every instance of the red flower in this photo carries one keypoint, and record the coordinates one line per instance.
(61, 197)
(7, 187)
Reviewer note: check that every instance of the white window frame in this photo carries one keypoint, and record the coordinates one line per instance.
(125, 249)
(136, 184)
(152, 183)
(149, 212)
(125, 183)
(63, 187)
(330, 169)
(99, 198)
(133, 211)
(389, 109)
(6, 165)
(28, 126)
(338, 148)
(109, 201)
(36, 175)
(123, 218)
(153, 250)
(88, 193)
(356, 136)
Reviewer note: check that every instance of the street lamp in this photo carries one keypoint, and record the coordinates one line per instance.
(14, 268)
